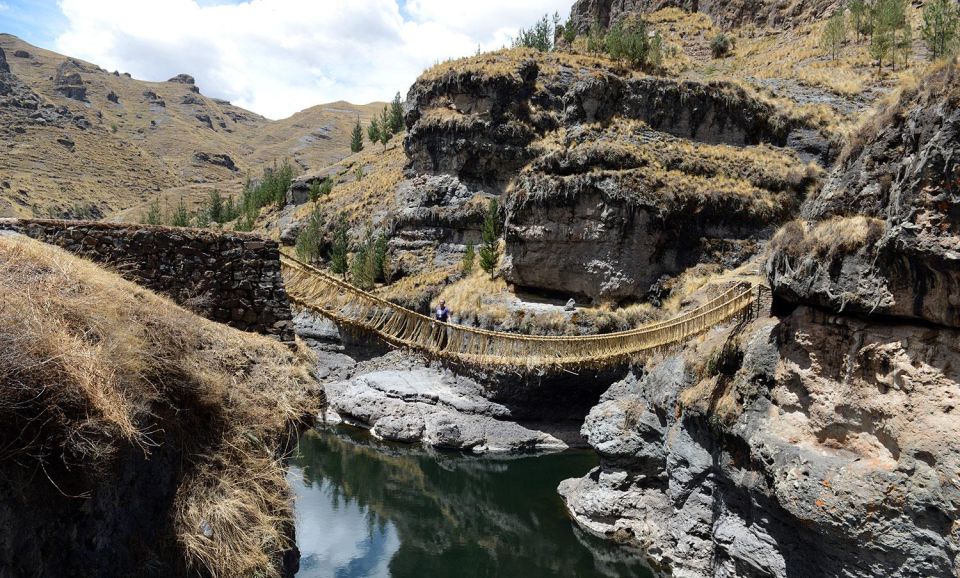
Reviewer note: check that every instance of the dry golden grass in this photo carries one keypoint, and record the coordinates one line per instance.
(91, 364)
(836, 236)
(361, 201)
(507, 62)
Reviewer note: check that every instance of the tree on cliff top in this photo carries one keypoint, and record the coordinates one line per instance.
(539, 36)
(356, 140)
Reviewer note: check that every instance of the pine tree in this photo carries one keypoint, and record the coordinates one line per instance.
(380, 258)
(215, 207)
(229, 210)
(396, 115)
(859, 17)
(373, 130)
(468, 258)
(941, 23)
(489, 255)
(339, 247)
(386, 133)
(834, 33)
(359, 270)
(356, 140)
(889, 21)
(181, 217)
(153, 216)
(310, 238)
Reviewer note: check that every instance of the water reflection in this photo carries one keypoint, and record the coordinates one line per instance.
(371, 509)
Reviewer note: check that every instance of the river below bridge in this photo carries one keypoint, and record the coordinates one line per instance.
(366, 508)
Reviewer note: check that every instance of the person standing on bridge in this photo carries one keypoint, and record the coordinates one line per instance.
(442, 313)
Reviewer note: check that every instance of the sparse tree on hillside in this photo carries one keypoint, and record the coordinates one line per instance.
(373, 130)
(310, 239)
(941, 22)
(903, 45)
(356, 140)
(386, 130)
(153, 216)
(489, 254)
(859, 17)
(568, 32)
(396, 115)
(181, 216)
(340, 247)
(215, 206)
(380, 258)
(468, 258)
(595, 38)
(889, 30)
(834, 34)
(361, 274)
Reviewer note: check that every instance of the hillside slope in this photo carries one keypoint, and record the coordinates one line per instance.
(61, 116)
(152, 433)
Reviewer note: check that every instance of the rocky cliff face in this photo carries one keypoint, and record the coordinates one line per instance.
(724, 13)
(817, 443)
(881, 236)
(812, 446)
(614, 179)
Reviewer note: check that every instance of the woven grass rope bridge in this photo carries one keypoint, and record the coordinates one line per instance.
(313, 289)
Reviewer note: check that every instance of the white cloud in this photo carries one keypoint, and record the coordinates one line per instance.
(276, 57)
(4, 7)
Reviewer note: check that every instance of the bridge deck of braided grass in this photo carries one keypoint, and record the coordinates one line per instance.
(313, 289)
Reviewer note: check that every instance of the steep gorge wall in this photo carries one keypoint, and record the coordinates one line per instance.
(233, 278)
(726, 13)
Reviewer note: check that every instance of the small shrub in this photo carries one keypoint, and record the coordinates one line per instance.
(321, 188)
(721, 45)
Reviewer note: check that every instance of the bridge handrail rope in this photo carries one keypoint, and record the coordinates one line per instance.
(309, 287)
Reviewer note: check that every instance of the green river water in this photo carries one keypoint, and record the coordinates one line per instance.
(371, 509)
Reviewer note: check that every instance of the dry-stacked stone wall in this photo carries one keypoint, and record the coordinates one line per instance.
(233, 278)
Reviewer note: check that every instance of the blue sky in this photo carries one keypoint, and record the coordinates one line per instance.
(274, 57)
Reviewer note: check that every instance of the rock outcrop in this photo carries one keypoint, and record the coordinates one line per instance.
(821, 442)
(728, 14)
(813, 446)
(881, 236)
(621, 179)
